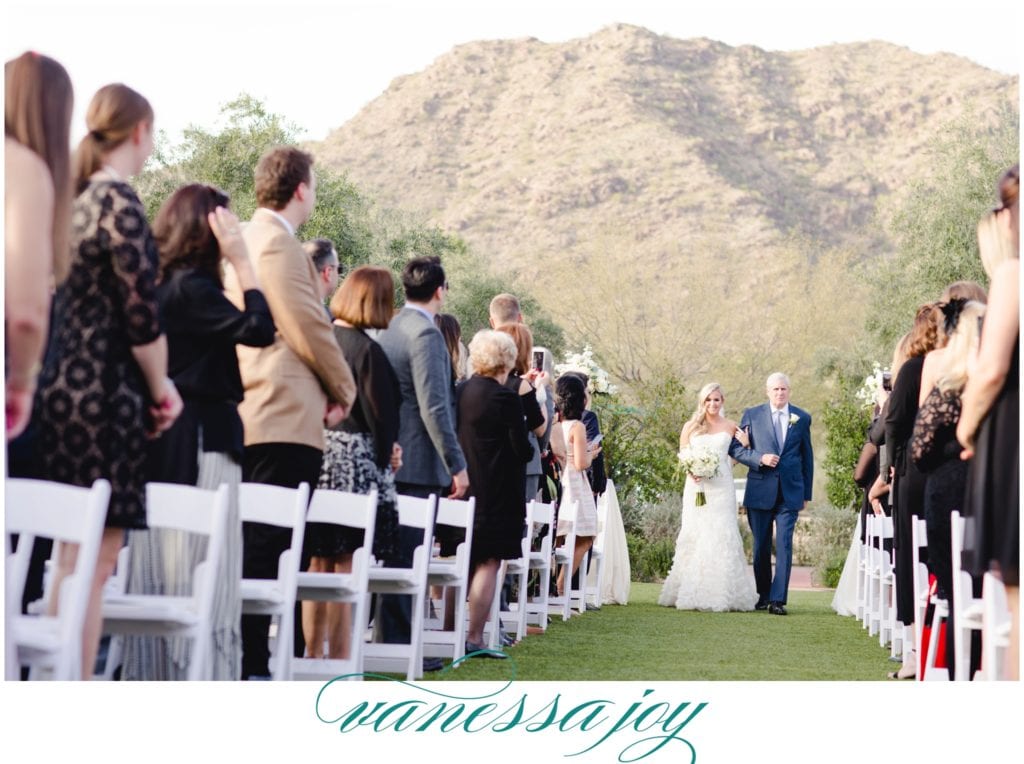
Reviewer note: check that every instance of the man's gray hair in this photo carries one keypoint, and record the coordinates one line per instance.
(777, 376)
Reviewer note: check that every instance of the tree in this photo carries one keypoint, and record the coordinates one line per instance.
(934, 225)
(362, 231)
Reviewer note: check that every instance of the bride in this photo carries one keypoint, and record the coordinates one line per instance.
(709, 571)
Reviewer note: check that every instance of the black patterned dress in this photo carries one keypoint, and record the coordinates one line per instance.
(358, 453)
(93, 400)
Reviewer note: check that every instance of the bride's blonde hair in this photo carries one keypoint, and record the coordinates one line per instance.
(700, 416)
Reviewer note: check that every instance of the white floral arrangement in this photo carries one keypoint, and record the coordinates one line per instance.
(584, 362)
(869, 391)
(699, 462)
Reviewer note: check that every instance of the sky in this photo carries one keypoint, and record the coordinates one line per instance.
(319, 62)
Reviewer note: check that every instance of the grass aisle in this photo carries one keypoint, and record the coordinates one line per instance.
(643, 641)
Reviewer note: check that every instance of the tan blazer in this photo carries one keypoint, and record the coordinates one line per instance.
(287, 384)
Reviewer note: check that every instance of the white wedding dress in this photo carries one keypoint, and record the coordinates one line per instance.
(709, 570)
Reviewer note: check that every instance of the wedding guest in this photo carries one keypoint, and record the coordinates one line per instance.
(328, 268)
(504, 309)
(959, 290)
(569, 441)
(195, 233)
(908, 484)
(433, 462)
(104, 387)
(362, 452)
(879, 495)
(521, 381)
(988, 427)
(37, 218)
(37, 224)
(936, 453)
(493, 438)
(596, 475)
(546, 397)
(293, 386)
(451, 330)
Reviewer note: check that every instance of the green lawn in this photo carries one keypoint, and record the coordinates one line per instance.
(643, 641)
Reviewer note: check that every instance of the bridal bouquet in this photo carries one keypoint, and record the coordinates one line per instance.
(701, 462)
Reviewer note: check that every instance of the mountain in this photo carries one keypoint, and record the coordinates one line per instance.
(645, 155)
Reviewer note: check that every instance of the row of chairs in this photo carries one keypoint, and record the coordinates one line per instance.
(51, 646)
(876, 602)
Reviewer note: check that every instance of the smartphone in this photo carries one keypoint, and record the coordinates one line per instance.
(598, 439)
(887, 381)
(538, 360)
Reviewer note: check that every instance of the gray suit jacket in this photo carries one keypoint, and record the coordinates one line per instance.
(430, 448)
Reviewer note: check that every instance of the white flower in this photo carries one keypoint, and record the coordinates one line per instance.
(584, 362)
(699, 461)
(867, 394)
(793, 419)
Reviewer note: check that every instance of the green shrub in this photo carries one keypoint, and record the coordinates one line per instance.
(649, 561)
(828, 542)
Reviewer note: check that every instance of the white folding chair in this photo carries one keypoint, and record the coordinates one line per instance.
(563, 555)
(519, 568)
(184, 508)
(919, 540)
(595, 572)
(929, 671)
(117, 584)
(967, 609)
(995, 630)
(452, 573)
(284, 508)
(382, 656)
(885, 579)
(862, 568)
(71, 515)
(869, 616)
(353, 511)
(536, 608)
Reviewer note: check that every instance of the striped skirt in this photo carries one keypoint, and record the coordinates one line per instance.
(162, 562)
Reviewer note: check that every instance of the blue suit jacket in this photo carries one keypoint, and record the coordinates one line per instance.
(795, 470)
(430, 448)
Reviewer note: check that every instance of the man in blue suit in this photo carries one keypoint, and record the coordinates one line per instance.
(779, 482)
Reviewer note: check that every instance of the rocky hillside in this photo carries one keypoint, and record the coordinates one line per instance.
(641, 152)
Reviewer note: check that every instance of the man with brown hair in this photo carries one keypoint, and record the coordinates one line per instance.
(296, 386)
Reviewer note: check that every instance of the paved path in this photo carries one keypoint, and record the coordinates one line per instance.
(801, 577)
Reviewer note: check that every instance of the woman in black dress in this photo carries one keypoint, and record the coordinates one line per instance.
(989, 425)
(104, 387)
(936, 453)
(908, 483)
(362, 452)
(492, 434)
(195, 234)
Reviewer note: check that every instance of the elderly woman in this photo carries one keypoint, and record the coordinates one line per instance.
(493, 437)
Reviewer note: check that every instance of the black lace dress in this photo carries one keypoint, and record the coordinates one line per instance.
(936, 452)
(93, 401)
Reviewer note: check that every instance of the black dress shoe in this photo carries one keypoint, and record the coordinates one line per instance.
(777, 608)
(481, 651)
(432, 664)
(761, 605)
